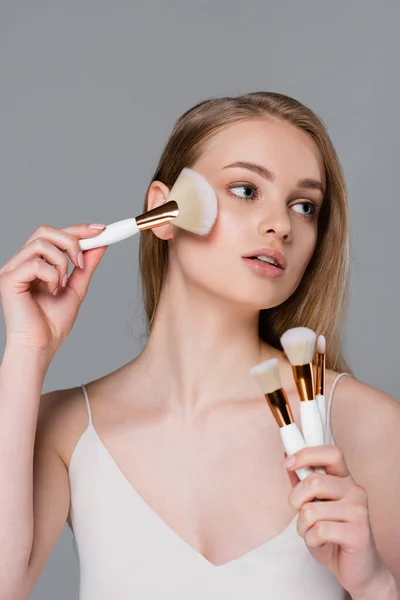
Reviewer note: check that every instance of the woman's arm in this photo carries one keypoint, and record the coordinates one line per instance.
(34, 490)
(365, 424)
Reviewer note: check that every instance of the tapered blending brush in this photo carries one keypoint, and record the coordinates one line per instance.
(299, 346)
(320, 378)
(267, 376)
(191, 205)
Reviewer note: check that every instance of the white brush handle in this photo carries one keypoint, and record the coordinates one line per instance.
(321, 405)
(311, 426)
(293, 441)
(112, 233)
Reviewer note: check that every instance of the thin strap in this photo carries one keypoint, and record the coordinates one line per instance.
(87, 403)
(328, 410)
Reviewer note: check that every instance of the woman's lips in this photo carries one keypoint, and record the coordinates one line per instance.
(263, 268)
(268, 252)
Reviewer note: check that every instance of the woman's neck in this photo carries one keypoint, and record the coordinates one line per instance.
(201, 349)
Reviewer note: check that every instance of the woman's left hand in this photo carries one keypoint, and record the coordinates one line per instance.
(337, 532)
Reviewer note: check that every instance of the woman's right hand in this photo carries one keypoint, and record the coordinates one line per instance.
(34, 316)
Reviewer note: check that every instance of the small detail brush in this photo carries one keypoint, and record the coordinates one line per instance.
(299, 346)
(267, 376)
(191, 205)
(320, 378)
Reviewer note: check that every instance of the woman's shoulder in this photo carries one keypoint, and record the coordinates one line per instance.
(360, 412)
(63, 413)
(354, 393)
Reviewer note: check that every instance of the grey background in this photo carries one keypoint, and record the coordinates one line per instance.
(89, 93)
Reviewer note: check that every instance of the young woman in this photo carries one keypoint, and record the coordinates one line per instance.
(169, 469)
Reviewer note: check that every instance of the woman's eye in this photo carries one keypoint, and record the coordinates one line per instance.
(247, 192)
(309, 208)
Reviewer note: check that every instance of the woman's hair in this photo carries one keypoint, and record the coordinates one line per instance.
(320, 299)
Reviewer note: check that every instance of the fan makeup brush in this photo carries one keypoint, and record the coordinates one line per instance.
(191, 205)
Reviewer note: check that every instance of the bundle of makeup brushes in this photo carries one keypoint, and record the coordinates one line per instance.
(299, 344)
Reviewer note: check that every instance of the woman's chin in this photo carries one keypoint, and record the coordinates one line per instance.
(255, 303)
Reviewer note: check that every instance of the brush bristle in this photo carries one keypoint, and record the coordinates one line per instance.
(267, 375)
(197, 202)
(299, 345)
(321, 344)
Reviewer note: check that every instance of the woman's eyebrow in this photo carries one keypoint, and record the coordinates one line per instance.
(308, 183)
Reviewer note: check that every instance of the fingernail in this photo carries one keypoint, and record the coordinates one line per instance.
(96, 226)
(80, 260)
(55, 292)
(289, 461)
(65, 279)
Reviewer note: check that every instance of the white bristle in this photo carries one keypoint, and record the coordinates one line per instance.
(299, 345)
(196, 200)
(321, 344)
(267, 375)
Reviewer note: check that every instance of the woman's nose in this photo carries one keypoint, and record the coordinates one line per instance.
(276, 219)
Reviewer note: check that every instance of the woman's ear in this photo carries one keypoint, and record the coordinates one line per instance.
(157, 195)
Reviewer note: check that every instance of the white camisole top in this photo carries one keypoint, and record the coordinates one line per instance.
(127, 552)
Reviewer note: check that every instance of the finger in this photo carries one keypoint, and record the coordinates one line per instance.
(86, 229)
(312, 512)
(328, 456)
(65, 239)
(321, 486)
(293, 477)
(83, 229)
(41, 248)
(80, 278)
(18, 280)
(346, 535)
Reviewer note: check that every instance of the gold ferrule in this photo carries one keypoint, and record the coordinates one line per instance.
(158, 216)
(320, 378)
(280, 407)
(304, 379)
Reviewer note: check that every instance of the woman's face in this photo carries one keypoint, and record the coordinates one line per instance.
(269, 180)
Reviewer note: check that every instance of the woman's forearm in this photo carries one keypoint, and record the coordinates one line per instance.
(22, 374)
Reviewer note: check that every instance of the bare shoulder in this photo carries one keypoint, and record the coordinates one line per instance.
(63, 415)
(360, 409)
(365, 422)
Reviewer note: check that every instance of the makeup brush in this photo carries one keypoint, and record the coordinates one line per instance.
(320, 378)
(191, 205)
(299, 346)
(267, 376)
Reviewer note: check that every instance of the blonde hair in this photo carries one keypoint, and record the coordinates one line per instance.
(320, 299)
